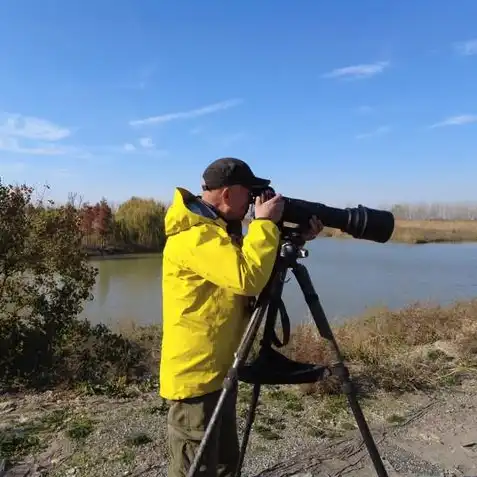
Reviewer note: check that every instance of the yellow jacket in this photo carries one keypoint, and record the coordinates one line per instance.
(206, 282)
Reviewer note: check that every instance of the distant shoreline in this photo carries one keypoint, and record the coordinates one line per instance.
(413, 232)
(98, 253)
(423, 231)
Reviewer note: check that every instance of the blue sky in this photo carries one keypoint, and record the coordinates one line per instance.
(339, 102)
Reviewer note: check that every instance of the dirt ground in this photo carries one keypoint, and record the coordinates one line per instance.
(417, 434)
(437, 438)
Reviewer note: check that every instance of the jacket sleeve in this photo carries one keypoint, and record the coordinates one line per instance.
(246, 269)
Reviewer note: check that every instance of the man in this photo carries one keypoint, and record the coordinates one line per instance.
(209, 276)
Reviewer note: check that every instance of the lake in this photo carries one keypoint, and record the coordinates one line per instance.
(349, 275)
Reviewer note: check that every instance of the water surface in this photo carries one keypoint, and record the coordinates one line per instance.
(349, 275)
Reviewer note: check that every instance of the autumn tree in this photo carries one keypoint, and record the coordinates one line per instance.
(103, 221)
(87, 220)
(45, 279)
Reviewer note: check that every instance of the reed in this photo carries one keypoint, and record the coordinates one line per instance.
(415, 348)
(425, 231)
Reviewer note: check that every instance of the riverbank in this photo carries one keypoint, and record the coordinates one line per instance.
(435, 231)
(403, 362)
(406, 231)
(431, 434)
(117, 251)
(425, 231)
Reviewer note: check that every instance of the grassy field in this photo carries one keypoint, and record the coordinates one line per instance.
(426, 231)
(397, 359)
(415, 348)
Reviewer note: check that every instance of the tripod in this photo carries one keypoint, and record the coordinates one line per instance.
(270, 366)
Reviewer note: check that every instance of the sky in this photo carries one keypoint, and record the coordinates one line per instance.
(340, 102)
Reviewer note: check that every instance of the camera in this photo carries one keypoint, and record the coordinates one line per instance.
(360, 222)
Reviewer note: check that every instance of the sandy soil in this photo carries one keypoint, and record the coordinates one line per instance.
(59, 434)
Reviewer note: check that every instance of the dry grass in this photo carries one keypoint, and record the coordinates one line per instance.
(426, 231)
(413, 348)
(418, 347)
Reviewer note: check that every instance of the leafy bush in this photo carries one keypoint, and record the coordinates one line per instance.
(45, 279)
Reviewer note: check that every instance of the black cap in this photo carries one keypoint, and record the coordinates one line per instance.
(229, 171)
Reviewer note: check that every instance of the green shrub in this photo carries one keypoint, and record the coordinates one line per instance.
(45, 278)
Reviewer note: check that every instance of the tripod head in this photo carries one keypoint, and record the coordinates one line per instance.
(291, 245)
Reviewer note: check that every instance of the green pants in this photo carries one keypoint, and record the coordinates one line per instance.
(186, 423)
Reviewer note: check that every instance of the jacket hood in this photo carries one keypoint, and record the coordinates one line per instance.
(186, 211)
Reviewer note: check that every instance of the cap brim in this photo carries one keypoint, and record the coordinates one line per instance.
(259, 183)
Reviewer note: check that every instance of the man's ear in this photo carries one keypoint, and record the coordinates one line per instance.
(225, 193)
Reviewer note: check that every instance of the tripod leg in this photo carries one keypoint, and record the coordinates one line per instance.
(339, 369)
(274, 290)
(248, 427)
(231, 379)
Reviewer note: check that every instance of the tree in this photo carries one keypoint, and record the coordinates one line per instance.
(141, 221)
(45, 278)
(103, 223)
(87, 219)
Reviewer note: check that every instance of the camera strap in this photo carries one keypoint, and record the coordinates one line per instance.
(272, 367)
(286, 326)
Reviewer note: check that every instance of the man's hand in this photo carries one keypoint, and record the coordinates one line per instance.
(316, 227)
(269, 208)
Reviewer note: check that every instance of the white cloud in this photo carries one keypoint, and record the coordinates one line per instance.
(358, 71)
(194, 113)
(147, 148)
(456, 120)
(31, 128)
(34, 136)
(467, 48)
(377, 132)
(11, 144)
(129, 147)
(146, 143)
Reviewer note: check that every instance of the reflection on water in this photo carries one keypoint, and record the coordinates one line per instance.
(349, 275)
(125, 288)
